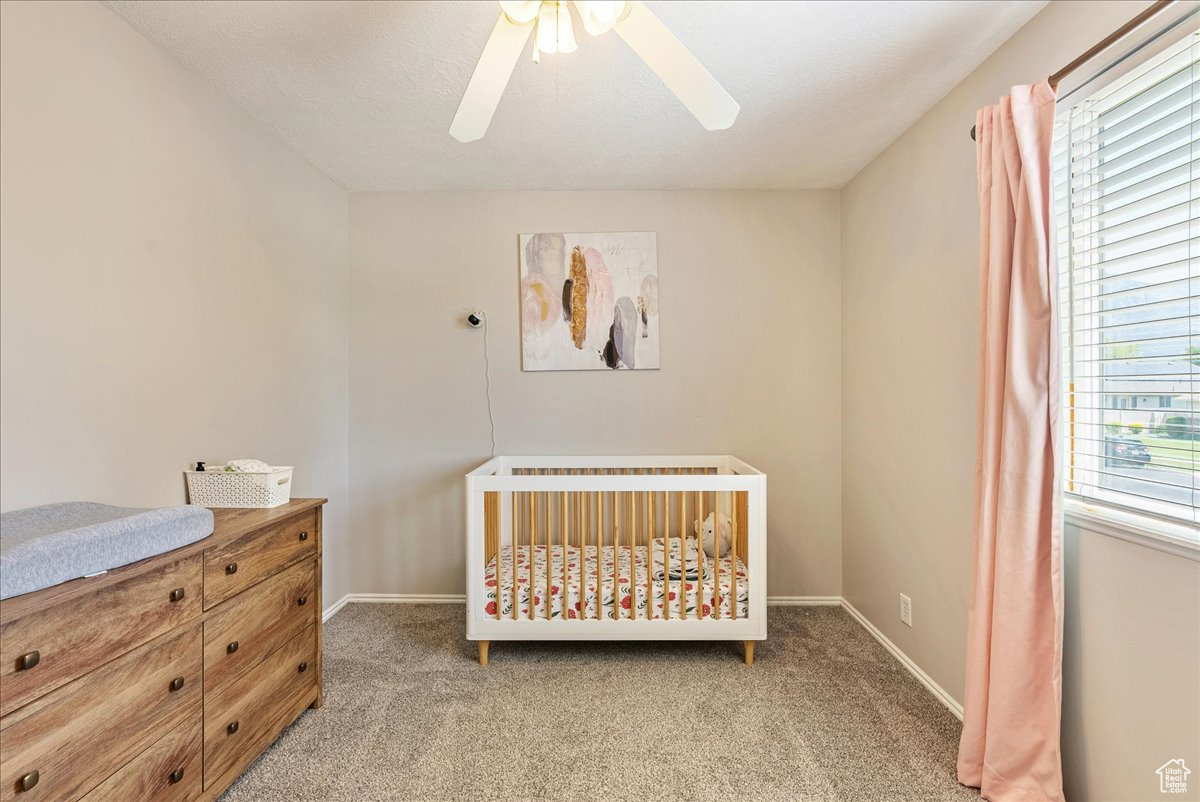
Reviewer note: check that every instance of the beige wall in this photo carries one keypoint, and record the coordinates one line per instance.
(172, 279)
(909, 338)
(750, 356)
(1131, 688)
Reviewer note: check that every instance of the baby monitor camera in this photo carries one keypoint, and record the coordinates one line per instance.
(475, 319)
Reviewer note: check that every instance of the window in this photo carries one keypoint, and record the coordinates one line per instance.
(1127, 214)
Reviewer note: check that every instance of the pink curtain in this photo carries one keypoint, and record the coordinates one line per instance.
(1012, 716)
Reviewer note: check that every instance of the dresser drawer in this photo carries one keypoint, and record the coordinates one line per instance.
(79, 735)
(47, 649)
(244, 716)
(169, 771)
(258, 621)
(230, 569)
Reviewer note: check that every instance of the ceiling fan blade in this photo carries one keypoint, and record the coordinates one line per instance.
(678, 68)
(491, 75)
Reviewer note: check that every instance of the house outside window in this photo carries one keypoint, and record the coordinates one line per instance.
(1127, 215)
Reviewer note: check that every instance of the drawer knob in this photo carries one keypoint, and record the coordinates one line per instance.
(177, 594)
(175, 776)
(231, 648)
(232, 728)
(231, 568)
(28, 661)
(304, 535)
(302, 667)
(176, 684)
(29, 780)
(303, 600)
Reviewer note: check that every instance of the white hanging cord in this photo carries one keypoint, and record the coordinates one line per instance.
(487, 378)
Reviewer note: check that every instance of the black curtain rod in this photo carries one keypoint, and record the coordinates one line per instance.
(1103, 44)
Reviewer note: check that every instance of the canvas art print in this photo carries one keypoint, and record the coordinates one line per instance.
(589, 301)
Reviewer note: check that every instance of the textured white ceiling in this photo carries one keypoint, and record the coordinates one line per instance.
(366, 90)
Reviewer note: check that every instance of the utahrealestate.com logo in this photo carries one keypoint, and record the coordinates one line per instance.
(1172, 777)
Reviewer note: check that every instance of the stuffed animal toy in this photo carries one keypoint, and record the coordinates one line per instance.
(707, 536)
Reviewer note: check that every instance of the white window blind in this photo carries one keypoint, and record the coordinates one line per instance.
(1127, 214)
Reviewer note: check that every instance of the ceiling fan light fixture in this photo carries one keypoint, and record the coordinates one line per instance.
(599, 16)
(555, 33)
(520, 12)
(549, 23)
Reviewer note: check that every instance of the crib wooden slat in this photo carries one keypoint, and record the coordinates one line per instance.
(531, 558)
(490, 526)
(744, 516)
(529, 549)
(733, 553)
(639, 534)
(647, 501)
(650, 550)
(631, 546)
(614, 503)
(682, 553)
(601, 506)
(628, 539)
(667, 496)
(617, 528)
(683, 514)
(717, 557)
(577, 543)
(591, 497)
(700, 555)
(637, 503)
(562, 539)
(665, 506)
(667, 552)
(526, 529)
(529, 512)
(549, 562)
(567, 539)
(516, 525)
(665, 531)
(599, 526)
(585, 533)
(634, 526)
(491, 515)
(618, 533)
(568, 543)
(692, 533)
(581, 507)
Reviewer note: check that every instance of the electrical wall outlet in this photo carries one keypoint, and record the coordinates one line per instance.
(906, 609)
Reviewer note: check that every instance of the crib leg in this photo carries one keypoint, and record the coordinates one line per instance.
(749, 645)
(483, 650)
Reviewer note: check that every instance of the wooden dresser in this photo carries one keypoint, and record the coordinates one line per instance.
(164, 679)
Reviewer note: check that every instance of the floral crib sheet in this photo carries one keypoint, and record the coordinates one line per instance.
(630, 597)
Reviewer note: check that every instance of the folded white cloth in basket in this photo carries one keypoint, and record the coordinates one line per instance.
(249, 466)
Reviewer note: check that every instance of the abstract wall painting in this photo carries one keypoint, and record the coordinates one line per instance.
(589, 301)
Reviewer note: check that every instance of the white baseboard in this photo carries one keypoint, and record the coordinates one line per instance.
(803, 601)
(409, 598)
(393, 598)
(938, 691)
(333, 608)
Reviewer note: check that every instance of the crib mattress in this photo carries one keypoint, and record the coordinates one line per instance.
(631, 598)
(43, 546)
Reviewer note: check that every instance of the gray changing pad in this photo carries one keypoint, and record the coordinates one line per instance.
(43, 546)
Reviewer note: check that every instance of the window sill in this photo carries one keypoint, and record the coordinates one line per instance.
(1177, 539)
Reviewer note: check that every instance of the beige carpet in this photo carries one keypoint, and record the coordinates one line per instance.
(824, 714)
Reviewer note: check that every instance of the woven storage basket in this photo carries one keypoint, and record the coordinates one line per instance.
(229, 489)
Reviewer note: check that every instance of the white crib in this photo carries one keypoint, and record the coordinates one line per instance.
(613, 541)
